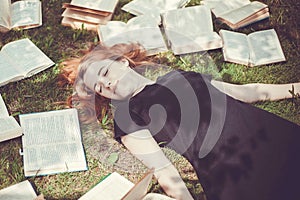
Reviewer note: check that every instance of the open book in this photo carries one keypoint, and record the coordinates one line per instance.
(190, 30)
(52, 142)
(88, 14)
(143, 29)
(150, 7)
(9, 126)
(238, 13)
(20, 59)
(116, 187)
(19, 191)
(257, 48)
(20, 14)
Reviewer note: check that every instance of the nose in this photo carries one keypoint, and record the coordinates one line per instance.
(107, 83)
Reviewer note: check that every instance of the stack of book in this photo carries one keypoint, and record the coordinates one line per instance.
(80, 14)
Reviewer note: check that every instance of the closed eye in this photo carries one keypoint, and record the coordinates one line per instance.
(105, 72)
(98, 88)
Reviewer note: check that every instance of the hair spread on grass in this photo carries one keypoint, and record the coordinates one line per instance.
(92, 106)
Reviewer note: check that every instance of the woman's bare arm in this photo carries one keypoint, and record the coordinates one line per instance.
(254, 92)
(145, 148)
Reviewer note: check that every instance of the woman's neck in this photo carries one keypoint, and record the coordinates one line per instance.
(142, 82)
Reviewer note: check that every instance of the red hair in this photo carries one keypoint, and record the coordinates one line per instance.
(93, 106)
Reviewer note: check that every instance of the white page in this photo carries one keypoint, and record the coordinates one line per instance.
(5, 13)
(9, 128)
(243, 12)
(7, 69)
(265, 47)
(189, 21)
(139, 190)
(3, 109)
(235, 47)
(53, 159)
(52, 142)
(113, 187)
(222, 7)
(27, 56)
(102, 5)
(184, 25)
(143, 29)
(26, 13)
(111, 29)
(19, 191)
(139, 7)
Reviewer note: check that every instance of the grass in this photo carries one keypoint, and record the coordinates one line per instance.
(40, 93)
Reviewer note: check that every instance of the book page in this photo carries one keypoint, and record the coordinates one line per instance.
(184, 25)
(9, 128)
(19, 191)
(7, 68)
(101, 5)
(5, 14)
(243, 12)
(52, 142)
(3, 109)
(260, 15)
(220, 7)
(27, 57)
(139, 7)
(189, 21)
(142, 29)
(265, 47)
(113, 187)
(235, 47)
(140, 189)
(110, 30)
(26, 14)
(144, 21)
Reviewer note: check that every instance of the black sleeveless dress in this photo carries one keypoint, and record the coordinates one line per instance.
(238, 151)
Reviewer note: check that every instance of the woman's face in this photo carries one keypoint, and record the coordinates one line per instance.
(109, 78)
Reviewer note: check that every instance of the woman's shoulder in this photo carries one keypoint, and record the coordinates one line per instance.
(182, 74)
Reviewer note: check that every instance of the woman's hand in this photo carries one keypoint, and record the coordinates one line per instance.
(142, 145)
(171, 182)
